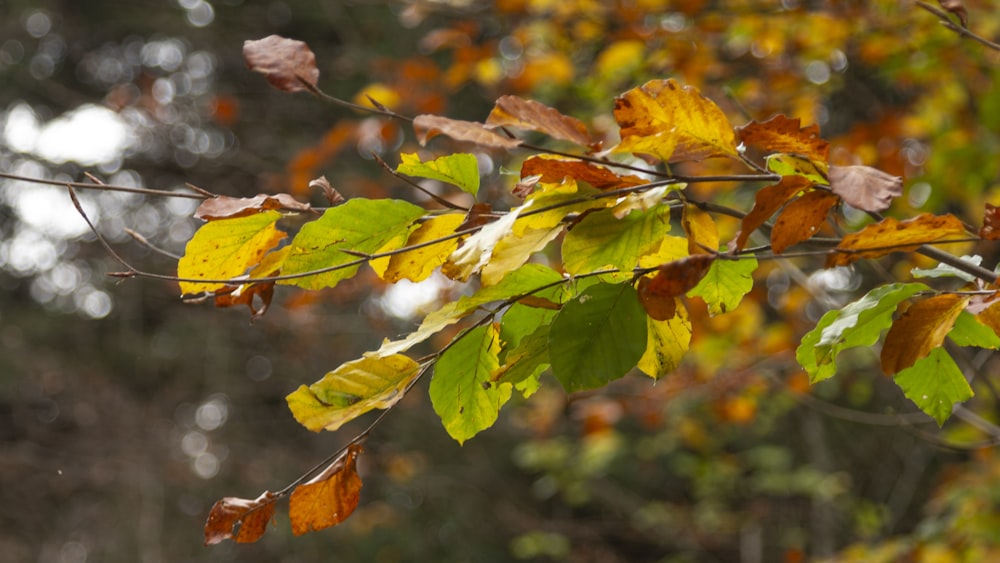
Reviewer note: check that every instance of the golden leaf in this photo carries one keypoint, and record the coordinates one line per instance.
(919, 330)
(890, 236)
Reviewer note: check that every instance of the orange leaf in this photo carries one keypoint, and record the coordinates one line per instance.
(989, 313)
(783, 134)
(864, 187)
(768, 200)
(890, 236)
(991, 223)
(239, 519)
(554, 169)
(518, 112)
(919, 330)
(659, 294)
(244, 295)
(674, 123)
(800, 219)
(285, 62)
(223, 207)
(329, 498)
(429, 126)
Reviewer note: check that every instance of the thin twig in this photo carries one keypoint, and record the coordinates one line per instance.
(145, 242)
(104, 187)
(415, 185)
(965, 32)
(97, 233)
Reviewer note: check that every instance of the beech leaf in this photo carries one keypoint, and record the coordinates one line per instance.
(702, 234)
(801, 219)
(553, 169)
(919, 330)
(461, 170)
(864, 187)
(970, 331)
(793, 165)
(418, 264)
(991, 223)
(285, 62)
(956, 7)
(935, 384)
(658, 295)
(512, 111)
(223, 207)
(673, 123)
(783, 134)
(331, 195)
(239, 519)
(329, 498)
(226, 249)
(724, 285)
(890, 235)
(667, 343)
(600, 239)
(429, 126)
(768, 200)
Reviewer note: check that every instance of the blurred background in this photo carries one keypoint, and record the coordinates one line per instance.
(125, 413)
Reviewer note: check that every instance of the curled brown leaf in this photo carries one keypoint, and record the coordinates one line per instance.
(329, 498)
(239, 519)
(224, 207)
(864, 187)
(429, 126)
(286, 63)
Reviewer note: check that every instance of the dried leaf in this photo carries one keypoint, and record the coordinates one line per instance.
(329, 498)
(554, 169)
(801, 219)
(671, 122)
(919, 330)
(864, 187)
(673, 279)
(329, 193)
(991, 223)
(784, 134)
(958, 8)
(239, 519)
(223, 207)
(890, 235)
(768, 200)
(246, 295)
(518, 112)
(429, 126)
(285, 62)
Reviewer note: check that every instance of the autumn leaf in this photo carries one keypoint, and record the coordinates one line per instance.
(329, 498)
(514, 250)
(226, 249)
(768, 200)
(801, 219)
(429, 126)
(668, 341)
(970, 330)
(890, 235)
(991, 223)
(935, 384)
(794, 165)
(239, 519)
(919, 330)
(331, 195)
(554, 169)
(948, 271)
(223, 207)
(702, 234)
(597, 337)
(671, 122)
(672, 280)
(351, 390)
(864, 187)
(512, 111)
(249, 295)
(956, 7)
(285, 62)
(600, 239)
(724, 285)
(782, 134)
(418, 264)
(461, 170)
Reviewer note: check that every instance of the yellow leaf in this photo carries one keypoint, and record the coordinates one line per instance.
(891, 235)
(673, 123)
(703, 236)
(919, 330)
(225, 249)
(514, 250)
(418, 264)
(667, 342)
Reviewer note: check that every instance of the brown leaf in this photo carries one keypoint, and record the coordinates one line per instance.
(527, 185)
(890, 235)
(479, 214)
(285, 62)
(673, 279)
(518, 112)
(864, 187)
(429, 126)
(768, 200)
(958, 8)
(555, 169)
(801, 219)
(989, 312)
(331, 195)
(224, 207)
(991, 223)
(239, 519)
(919, 330)
(784, 134)
(329, 498)
(245, 295)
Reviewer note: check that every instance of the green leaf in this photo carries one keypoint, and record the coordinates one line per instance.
(725, 284)
(935, 383)
(461, 391)
(521, 281)
(226, 248)
(858, 324)
(944, 270)
(360, 225)
(968, 331)
(791, 165)
(600, 239)
(597, 337)
(461, 170)
(351, 390)
(524, 363)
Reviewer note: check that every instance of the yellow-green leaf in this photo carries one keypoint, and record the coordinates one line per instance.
(461, 170)
(226, 249)
(418, 264)
(666, 344)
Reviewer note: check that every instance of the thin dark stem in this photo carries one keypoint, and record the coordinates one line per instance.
(145, 242)
(963, 31)
(107, 187)
(97, 233)
(385, 166)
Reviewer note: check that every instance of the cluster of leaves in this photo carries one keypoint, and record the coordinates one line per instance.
(591, 275)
